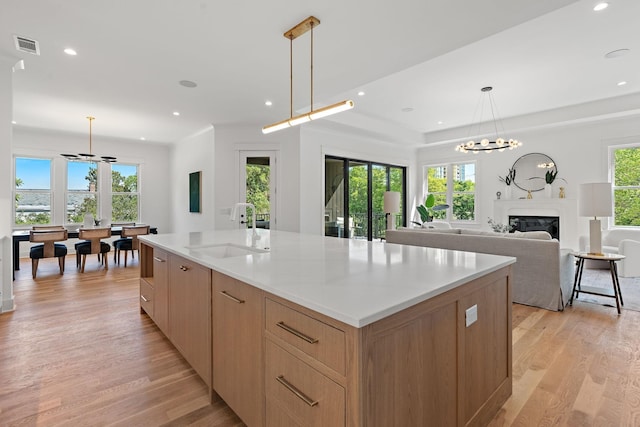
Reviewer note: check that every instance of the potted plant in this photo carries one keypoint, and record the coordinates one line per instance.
(549, 177)
(508, 179)
(428, 209)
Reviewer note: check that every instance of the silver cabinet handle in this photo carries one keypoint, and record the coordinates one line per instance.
(298, 334)
(294, 390)
(232, 298)
(183, 268)
(158, 259)
(142, 297)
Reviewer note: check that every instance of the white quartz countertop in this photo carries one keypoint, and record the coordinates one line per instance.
(353, 281)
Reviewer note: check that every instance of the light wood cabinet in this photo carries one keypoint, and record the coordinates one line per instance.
(161, 290)
(237, 347)
(190, 313)
(277, 363)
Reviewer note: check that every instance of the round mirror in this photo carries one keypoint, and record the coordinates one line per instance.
(531, 170)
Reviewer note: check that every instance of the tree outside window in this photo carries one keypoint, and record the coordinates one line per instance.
(124, 193)
(626, 186)
(82, 194)
(455, 185)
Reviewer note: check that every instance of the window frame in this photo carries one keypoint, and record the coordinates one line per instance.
(122, 193)
(612, 174)
(450, 191)
(50, 191)
(97, 193)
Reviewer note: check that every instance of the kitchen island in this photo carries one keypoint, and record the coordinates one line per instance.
(312, 330)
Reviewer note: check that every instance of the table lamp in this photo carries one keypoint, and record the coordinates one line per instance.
(391, 206)
(594, 200)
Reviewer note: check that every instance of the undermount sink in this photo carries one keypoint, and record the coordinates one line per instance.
(225, 250)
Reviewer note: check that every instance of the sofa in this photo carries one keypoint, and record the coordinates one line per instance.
(623, 241)
(542, 276)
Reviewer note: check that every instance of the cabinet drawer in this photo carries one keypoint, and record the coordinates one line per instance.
(319, 340)
(146, 297)
(298, 392)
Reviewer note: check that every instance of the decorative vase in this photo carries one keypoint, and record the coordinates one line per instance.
(507, 192)
(548, 191)
(562, 193)
(529, 195)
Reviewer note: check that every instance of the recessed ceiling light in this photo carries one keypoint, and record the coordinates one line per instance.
(187, 83)
(13, 122)
(176, 113)
(268, 103)
(440, 122)
(361, 93)
(70, 51)
(616, 53)
(601, 6)
(622, 83)
(407, 110)
(142, 138)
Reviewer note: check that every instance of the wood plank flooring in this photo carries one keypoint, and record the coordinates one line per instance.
(77, 351)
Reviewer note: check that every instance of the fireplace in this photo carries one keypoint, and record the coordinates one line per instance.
(550, 224)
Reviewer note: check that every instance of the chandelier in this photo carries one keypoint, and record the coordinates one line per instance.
(89, 157)
(293, 33)
(486, 145)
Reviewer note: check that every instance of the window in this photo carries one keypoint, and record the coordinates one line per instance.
(82, 194)
(626, 186)
(354, 195)
(124, 193)
(32, 191)
(455, 185)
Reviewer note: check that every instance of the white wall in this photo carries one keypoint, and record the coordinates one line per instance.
(229, 142)
(195, 153)
(580, 152)
(317, 142)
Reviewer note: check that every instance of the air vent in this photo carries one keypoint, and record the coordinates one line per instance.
(24, 44)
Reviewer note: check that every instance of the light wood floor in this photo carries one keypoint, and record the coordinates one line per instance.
(77, 351)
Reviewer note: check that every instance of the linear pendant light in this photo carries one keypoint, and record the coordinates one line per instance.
(292, 34)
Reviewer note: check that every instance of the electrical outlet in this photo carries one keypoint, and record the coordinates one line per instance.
(471, 315)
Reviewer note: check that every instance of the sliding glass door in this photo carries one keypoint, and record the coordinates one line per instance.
(354, 194)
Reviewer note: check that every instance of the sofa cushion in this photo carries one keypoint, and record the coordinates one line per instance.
(539, 235)
(471, 232)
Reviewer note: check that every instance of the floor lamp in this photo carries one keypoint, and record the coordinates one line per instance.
(391, 206)
(594, 200)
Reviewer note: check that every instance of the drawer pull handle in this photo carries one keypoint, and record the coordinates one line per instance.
(299, 334)
(232, 298)
(183, 268)
(294, 390)
(142, 297)
(158, 259)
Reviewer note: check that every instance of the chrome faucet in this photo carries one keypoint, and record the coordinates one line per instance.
(234, 212)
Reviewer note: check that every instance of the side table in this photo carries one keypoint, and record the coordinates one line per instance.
(577, 286)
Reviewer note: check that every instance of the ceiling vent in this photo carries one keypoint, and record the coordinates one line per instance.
(24, 44)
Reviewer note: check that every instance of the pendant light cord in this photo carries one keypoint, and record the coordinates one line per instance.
(311, 109)
(291, 76)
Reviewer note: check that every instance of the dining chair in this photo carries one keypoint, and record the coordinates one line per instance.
(128, 242)
(93, 245)
(48, 248)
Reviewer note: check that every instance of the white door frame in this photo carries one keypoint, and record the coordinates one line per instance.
(273, 167)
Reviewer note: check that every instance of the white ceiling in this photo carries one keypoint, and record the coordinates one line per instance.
(432, 57)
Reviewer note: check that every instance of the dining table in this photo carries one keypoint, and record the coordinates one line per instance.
(23, 236)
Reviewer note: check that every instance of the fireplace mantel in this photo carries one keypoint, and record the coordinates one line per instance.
(565, 209)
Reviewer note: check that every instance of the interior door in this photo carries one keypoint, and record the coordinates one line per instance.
(258, 186)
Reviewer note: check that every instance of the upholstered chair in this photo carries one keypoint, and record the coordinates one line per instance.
(93, 245)
(128, 242)
(623, 241)
(48, 248)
